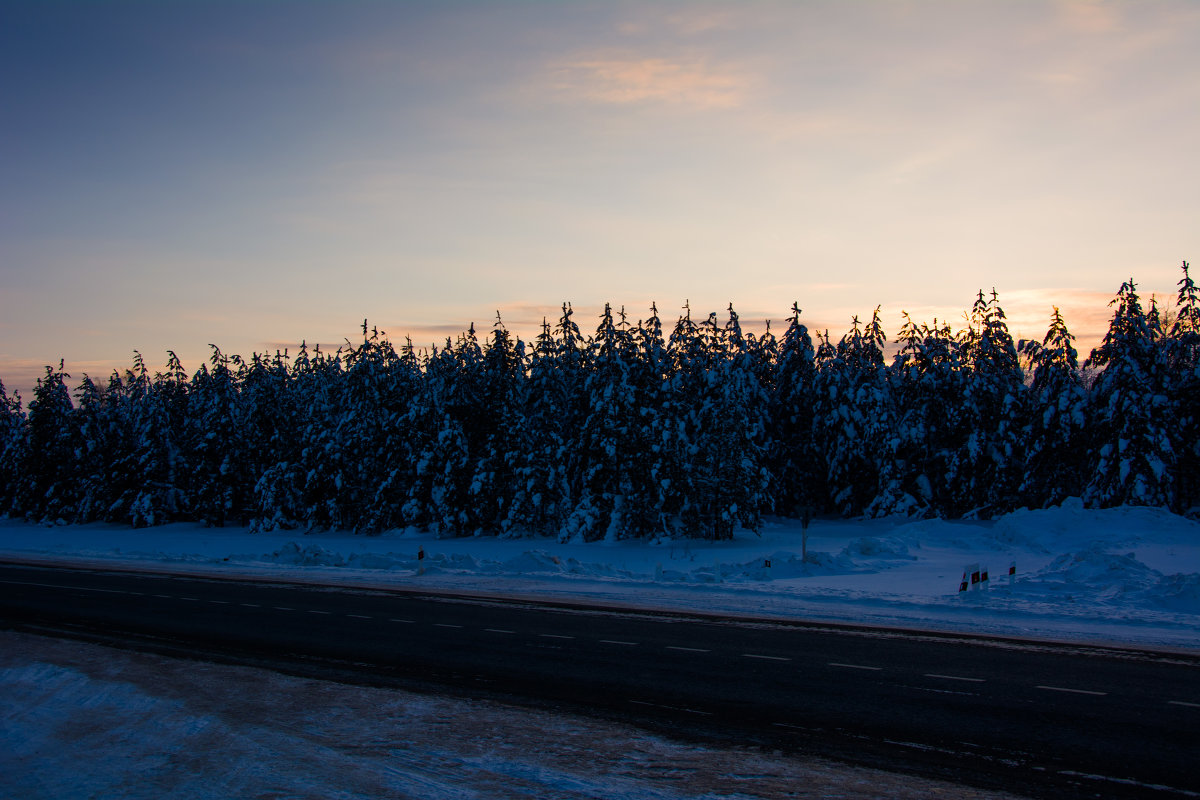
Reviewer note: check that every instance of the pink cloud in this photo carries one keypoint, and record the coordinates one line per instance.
(632, 80)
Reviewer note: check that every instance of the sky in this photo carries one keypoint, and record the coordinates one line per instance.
(254, 174)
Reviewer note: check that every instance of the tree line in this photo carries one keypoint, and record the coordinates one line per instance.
(628, 431)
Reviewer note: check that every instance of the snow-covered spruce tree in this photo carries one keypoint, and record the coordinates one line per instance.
(320, 383)
(928, 381)
(747, 401)
(540, 479)
(763, 352)
(160, 411)
(986, 472)
(12, 446)
(608, 439)
(95, 447)
(146, 463)
(572, 405)
(126, 414)
(1185, 331)
(854, 424)
(291, 495)
(1058, 458)
(427, 421)
(658, 462)
(799, 475)
(1183, 389)
(461, 434)
(394, 444)
(499, 457)
(359, 428)
(219, 493)
(729, 473)
(271, 414)
(1129, 416)
(110, 476)
(47, 486)
(678, 434)
(377, 448)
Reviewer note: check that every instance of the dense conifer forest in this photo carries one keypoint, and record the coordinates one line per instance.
(627, 432)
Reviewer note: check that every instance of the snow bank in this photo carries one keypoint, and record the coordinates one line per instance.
(1121, 575)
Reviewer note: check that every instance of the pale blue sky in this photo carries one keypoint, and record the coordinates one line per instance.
(251, 174)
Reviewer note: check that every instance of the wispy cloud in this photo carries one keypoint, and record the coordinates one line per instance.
(626, 80)
(1090, 16)
(698, 20)
(680, 22)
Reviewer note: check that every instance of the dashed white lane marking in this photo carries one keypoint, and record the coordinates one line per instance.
(554, 636)
(1183, 703)
(939, 691)
(314, 611)
(789, 725)
(445, 625)
(672, 708)
(1156, 787)
(250, 605)
(855, 666)
(615, 641)
(497, 630)
(191, 599)
(164, 596)
(765, 658)
(954, 678)
(219, 602)
(688, 649)
(404, 621)
(359, 616)
(77, 588)
(1072, 691)
(282, 608)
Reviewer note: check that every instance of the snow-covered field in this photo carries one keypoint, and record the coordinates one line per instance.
(1119, 576)
(80, 720)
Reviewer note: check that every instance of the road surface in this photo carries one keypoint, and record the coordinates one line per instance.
(1035, 718)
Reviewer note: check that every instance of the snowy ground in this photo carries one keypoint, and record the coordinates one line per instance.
(1119, 576)
(79, 720)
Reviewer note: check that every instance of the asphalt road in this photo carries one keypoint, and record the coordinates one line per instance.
(1035, 718)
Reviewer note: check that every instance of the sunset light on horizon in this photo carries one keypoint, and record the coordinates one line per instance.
(257, 174)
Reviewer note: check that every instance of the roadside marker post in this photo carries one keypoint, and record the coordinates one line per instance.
(974, 577)
(806, 515)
